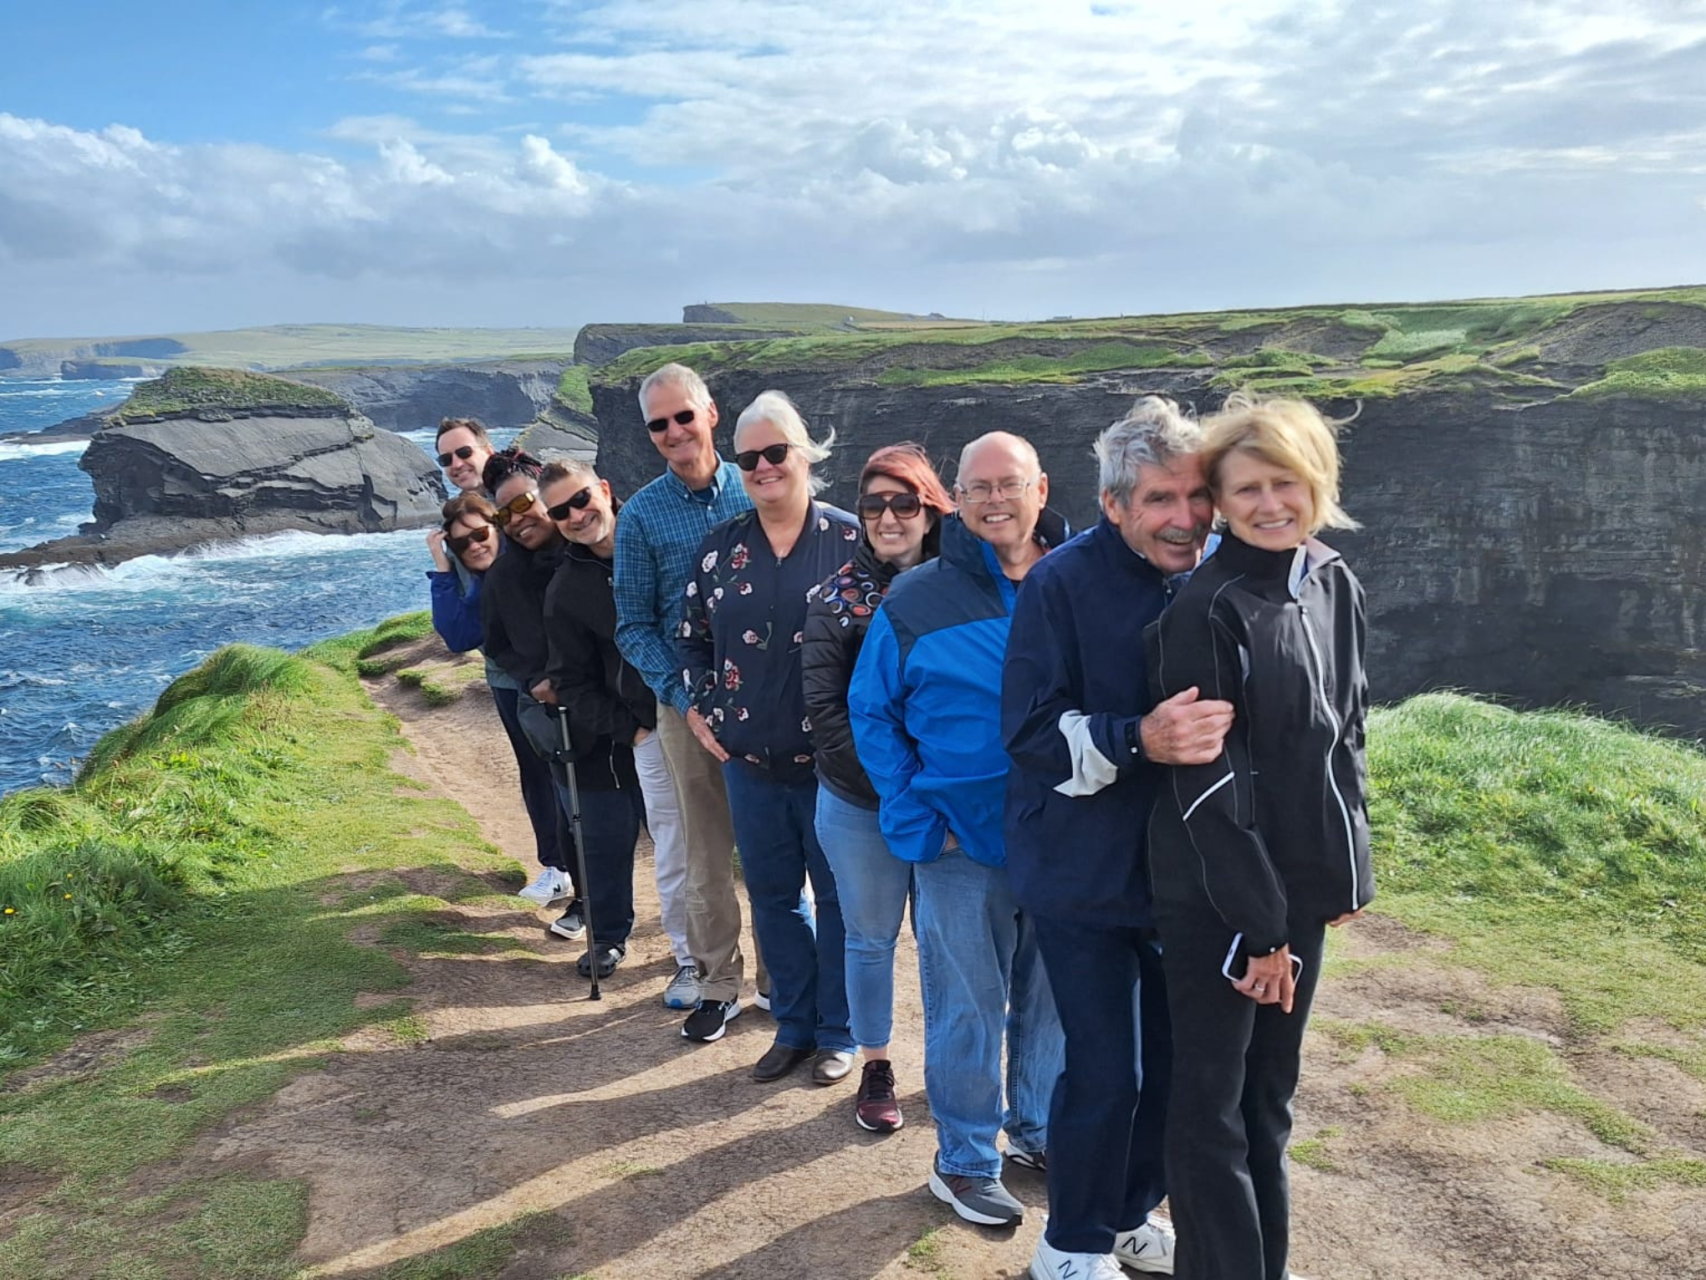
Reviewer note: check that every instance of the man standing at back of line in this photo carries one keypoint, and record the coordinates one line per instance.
(659, 531)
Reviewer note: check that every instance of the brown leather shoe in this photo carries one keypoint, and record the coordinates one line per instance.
(831, 1066)
(778, 1060)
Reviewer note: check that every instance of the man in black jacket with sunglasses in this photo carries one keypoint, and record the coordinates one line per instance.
(612, 713)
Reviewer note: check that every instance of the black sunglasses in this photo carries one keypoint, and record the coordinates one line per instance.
(458, 543)
(464, 453)
(576, 503)
(872, 505)
(515, 506)
(682, 418)
(771, 453)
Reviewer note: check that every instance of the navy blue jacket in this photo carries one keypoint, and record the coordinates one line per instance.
(455, 615)
(925, 700)
(1073, 691)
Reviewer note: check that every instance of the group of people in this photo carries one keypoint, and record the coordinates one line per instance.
(1118, 776)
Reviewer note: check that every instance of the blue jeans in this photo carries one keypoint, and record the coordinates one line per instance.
(982, 977)
(773, 824)
(874, 886)
(610, 825)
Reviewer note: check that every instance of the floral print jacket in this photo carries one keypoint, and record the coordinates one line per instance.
(742, 626)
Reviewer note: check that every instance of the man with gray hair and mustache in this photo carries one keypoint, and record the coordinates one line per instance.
(1087, 742)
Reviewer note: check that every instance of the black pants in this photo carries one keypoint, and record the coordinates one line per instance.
(538, 790)
(610, 825)
(1112, 997)
(1230, 1116)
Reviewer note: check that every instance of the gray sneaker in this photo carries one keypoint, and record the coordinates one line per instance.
(981, 1200)
(683, 989)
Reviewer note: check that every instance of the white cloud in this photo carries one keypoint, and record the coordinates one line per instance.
(1003, 156)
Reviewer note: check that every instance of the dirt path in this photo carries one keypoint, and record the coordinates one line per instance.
(648, 1156)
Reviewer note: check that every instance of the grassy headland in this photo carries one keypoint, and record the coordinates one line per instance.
(1512, 347)
(201, 882)
(281, 346)
(204, 391)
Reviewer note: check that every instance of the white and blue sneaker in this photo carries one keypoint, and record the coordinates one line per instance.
(683, 989)
(1147, 1247)
(550, 885)
(1049, 1263)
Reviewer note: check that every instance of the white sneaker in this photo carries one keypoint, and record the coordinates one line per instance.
(683, 989)
(1049, 1263)
(1148, 1247)
(761, 1001)
(551, 884)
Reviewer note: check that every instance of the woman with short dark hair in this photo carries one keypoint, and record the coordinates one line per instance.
(900, 508)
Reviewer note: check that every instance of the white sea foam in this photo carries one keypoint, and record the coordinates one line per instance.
(23, 452)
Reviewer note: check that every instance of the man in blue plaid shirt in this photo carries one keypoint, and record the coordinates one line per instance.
(657, 534)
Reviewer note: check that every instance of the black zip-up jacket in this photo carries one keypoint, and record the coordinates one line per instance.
(836, 623)
(512, 610)
(605, 699)
(1276, 828)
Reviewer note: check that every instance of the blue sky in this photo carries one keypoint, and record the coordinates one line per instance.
(191, 165)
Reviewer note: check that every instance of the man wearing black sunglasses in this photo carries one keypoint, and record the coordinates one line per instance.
(462, 449)
(661, 527)
(512, 614)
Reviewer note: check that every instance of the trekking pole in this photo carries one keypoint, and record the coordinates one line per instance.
(566, 754)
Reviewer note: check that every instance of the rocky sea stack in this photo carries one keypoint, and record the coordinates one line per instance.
(202, 455)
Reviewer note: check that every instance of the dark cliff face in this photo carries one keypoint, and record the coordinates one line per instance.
(1550, 553)
(508, 393)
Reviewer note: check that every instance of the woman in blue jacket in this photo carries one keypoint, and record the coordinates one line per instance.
(463, 548)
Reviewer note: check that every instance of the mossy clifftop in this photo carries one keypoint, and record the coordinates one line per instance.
(224, 392)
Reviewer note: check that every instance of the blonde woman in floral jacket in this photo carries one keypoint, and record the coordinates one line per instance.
(740, 642)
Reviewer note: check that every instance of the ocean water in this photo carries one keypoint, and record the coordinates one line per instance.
(90, 648)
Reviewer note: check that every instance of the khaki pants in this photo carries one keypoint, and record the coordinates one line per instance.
(713, 907)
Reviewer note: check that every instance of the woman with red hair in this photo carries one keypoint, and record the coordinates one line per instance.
(901, 505)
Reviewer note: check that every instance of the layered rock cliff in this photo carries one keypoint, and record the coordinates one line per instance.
(1530, 476)
(204, 455)
(501, 393)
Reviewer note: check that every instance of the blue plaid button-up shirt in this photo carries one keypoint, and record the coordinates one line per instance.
(657, 534)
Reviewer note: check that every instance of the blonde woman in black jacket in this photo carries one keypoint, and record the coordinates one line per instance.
(1256, 853)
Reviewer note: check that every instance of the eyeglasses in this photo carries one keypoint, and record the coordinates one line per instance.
(577, 503)
(458, 543)
(682, 418)
(462, 454)
(747, 460)
(1004, 490)
(872, 505)
(516, 506)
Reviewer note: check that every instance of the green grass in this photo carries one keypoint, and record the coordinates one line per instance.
(1664, 373)
(1616, 1180)
(217, 854)
(925, 1253)
(216, 391)
(803, 314)
(1552, 848)
(1316, 1152)
(1095, 358)
(485, 1253)
(573, 391)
